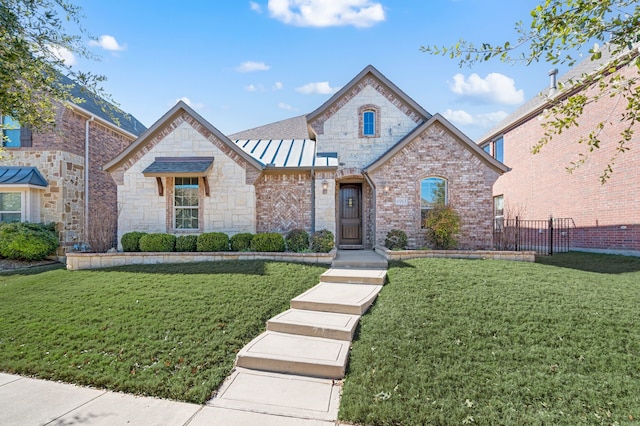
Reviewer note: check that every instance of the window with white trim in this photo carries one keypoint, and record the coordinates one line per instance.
(10, 206)
(186, 202)
(495, 148)
(498, 212)
(433, 192)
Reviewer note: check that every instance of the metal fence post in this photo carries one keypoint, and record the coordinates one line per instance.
(550, 235)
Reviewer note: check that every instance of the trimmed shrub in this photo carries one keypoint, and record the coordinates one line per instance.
(442, 224)
(131, 241)
(186, 242)
(297, 240)
(158, 242)
(396, 240)
(322, 241)
(27, 241)
(213, 241)
(268, 241)
(241, 242)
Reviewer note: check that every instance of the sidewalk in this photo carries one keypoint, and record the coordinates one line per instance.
(26, 401)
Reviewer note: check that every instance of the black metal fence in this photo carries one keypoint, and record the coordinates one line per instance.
(545, 237)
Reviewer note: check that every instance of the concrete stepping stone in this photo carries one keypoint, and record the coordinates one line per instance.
(295, 354)
(329, 325)
(354, 276)
(279, 394)
(341, 298)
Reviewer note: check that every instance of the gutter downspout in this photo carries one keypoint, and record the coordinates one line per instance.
(86, 177)
(313, 197)
(373, 188)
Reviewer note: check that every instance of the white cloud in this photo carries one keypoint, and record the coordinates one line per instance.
(64, 54)
(463, 118)
(255, 7)
(251, 66)
(494, 88)
(278, 85)
(285, 107)
(194, 105)
(254, 88)
(327, 13)
(321, 88)
(108, 42)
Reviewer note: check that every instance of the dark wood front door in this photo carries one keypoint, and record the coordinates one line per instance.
(350, 214)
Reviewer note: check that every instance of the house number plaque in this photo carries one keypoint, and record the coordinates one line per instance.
(402, 201)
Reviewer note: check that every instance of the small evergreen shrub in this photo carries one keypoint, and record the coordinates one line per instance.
(442, 224)
(322, 241)
(213, 241)
(268, 242)
(396, 240)
(131, 241)
(186, 242)
(157, 242)
(27, 241)
(297, 240)
(241, 242)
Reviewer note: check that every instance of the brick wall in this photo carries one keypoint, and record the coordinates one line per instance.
(283, 202)
(539, 185)
(435, 152)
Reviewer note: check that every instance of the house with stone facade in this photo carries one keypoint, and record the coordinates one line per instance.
(56, 175)
(368, 160)
(605, 217)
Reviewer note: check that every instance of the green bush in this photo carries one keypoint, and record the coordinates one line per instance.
(297, 240)
(131, 241)
(158, 242)
(396, 240)
(241, 242)
(27, 241)
(268, 241)
(322, 241)
(213, 241)
(442, 224)
(186, 242)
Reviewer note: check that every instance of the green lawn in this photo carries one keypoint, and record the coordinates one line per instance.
(165, 330)
(496, 342)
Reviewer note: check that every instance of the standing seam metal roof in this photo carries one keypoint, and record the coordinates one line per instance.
(286, 153)
(14, 175)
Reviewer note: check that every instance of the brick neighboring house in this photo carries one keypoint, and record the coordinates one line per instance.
(368, 160)
(606, 216)
(43, 173)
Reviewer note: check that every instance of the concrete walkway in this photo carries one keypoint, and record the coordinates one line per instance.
(289, 375)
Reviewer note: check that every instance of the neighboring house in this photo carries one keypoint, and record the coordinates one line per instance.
(43, 173)
(370, 159)
(606, 216)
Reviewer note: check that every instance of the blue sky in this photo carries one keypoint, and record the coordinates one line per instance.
(242, 64)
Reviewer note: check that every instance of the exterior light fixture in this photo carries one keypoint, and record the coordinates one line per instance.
(325, 186)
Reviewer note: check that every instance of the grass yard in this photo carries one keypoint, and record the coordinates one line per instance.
(495, 342)
(170, 331)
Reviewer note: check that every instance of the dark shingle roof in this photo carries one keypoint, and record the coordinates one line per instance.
(104, 109)
(14, 175)
(183, 165)
(291, 128)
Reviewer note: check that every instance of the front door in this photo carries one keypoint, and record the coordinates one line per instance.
(350, 214)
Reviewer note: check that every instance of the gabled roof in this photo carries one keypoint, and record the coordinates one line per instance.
(464, 139)
(172, 114)
(537, 104)
(17, 175)
(103, 109)
(369, 69)
(291, 128)
(287, 153)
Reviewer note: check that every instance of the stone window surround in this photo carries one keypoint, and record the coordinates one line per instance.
(361, 110)
(446, 194)
(170, 209)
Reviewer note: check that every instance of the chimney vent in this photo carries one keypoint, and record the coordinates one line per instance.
(553, 83)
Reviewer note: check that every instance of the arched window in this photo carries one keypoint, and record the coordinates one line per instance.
(369, 123)
(433, 192)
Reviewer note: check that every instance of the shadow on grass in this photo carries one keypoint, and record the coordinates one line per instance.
(400, 264)
(593, 262)
(32, 270)
(246, 267)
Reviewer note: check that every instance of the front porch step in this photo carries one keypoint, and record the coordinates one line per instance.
(329, 325)
(340, 298)
(354, 276)
(295, 354)
(359, 259)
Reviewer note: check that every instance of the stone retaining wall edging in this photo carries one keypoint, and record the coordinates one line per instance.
(520, 256)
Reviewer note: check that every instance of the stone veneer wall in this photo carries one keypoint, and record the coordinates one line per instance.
(435, 152)
(326, 203)
(62, 201)
(283, 202)
(231, 206)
